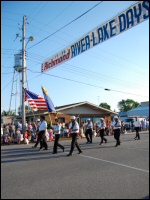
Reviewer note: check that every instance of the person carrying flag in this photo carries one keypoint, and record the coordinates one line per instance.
(41, 135)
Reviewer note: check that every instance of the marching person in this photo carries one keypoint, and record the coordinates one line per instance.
(101, 128)
(41, 135)
(117, 128)
(74, 130)
(37, 132)
(57, 136)
(89, 131)
(137, 125)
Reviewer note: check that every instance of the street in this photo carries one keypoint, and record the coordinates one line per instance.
(100, 172)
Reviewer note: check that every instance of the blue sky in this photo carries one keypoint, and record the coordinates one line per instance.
(120, 63)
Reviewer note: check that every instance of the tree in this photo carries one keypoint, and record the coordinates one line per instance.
(104, 105)
(126, 105)
(27, 109)
(6, 113)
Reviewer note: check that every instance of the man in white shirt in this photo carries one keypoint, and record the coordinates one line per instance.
(74, 130)
(57, 136)
(101, 128)
(117, 128)
(41, 135)
(89, 131)
(137, 125)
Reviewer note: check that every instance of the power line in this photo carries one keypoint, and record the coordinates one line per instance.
(87, 83)
(66, 25)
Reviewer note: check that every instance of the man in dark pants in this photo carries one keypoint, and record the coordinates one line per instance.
(102, 127)
(74, 129)
(41, 135)
(137, 125)
(117, 128)
(37, 132)
(89, 131)
(57, 136)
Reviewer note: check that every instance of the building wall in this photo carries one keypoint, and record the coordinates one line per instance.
(83, 109)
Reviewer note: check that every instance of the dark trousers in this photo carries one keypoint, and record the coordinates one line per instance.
(42, 139)
(74, 143)
(102, 135)
(117, 135)
(137, 132)
(56, 144)
(37, 142)
(88, 135)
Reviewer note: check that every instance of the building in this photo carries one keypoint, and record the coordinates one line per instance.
(140, 111)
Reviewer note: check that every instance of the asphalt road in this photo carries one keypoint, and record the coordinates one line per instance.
(101, 172)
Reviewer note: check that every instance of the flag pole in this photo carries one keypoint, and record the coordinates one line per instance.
(50, 119)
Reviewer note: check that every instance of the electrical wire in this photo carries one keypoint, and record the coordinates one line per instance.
(65, 25)
(86, 83)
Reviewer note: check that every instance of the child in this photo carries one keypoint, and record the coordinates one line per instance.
(26, 141)
(6, 139)
(51, 135)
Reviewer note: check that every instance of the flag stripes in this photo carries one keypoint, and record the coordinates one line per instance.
(36, 102)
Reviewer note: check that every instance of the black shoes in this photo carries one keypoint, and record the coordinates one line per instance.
(63, 149)
(105, 141)
(45, 149)
(135, 138)
(54, 153)
(87, 142)
(69, 154)
(80, 152)
(100, 143)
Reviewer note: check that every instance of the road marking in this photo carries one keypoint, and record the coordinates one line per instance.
(116, 163)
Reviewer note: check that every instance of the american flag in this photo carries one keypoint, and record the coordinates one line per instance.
(36, 102)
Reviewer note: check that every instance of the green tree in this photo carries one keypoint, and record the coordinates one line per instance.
(126, 105)
(27, 109)
(6, 113)
(104, 105)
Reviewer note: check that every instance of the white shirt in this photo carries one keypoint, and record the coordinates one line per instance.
(89, 125)
(102, 125)
(43, 126)
(57, 129)
(137, 123)
(117, 126)
(76, 126)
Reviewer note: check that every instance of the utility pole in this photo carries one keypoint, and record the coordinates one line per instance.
(23, 71)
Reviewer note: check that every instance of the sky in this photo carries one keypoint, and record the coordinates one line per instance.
(120, 64)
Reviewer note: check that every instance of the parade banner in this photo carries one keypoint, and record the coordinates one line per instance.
(129, 18)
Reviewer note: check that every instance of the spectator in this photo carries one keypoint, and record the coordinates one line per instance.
(12, 129)
(6, 139)
(147, 124)
(26, 140)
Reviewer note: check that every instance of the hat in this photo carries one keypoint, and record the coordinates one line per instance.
(115, 117)
(88, 119)
(101, 118)
(38, 120)
(73, 117)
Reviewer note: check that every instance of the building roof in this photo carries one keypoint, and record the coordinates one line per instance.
(141, 111)
(61, 108)
(70, 106)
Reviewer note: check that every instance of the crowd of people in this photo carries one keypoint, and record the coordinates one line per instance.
(13, 132)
